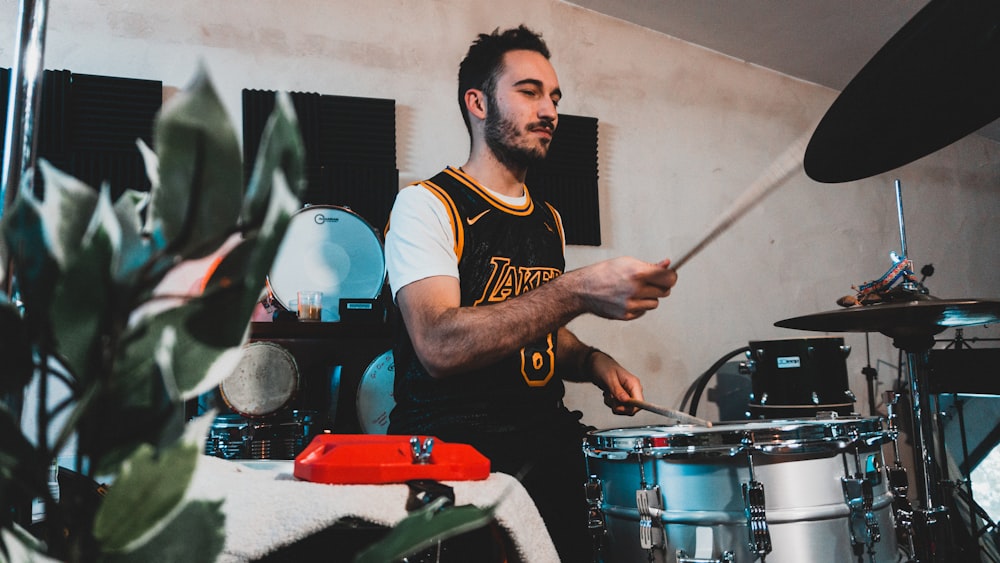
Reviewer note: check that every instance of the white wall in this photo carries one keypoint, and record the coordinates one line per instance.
(683, 131)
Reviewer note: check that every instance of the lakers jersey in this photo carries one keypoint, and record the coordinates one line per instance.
(503, 251)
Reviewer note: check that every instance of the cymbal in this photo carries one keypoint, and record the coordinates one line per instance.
(927, 316)
(934, 82)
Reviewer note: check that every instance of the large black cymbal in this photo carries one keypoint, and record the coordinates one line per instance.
(935, 81)
(925, 317)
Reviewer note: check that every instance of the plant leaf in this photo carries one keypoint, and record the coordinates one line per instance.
(24, 238)
(281, 148)
(200, 522)
(81, 301)
(250, 261)
(151, 162)
(135, 250)
(215, 325)
(194, 535)
(195, 206)
(423, 528)
(20, 546)
(207, 330)
(146, 492)
(67, 212)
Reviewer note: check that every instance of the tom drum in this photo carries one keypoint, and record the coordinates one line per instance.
(329, 249)
(265, 380)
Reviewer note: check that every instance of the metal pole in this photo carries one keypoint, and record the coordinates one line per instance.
(23, 100)
(902, 224)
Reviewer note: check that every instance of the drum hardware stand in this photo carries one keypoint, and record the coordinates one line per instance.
(860, 497)
(759, 539)
(930, 520)
(931, 528)
(871, 376)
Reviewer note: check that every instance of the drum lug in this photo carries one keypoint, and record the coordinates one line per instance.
(858, 493)
(727, 557)
(648, 502)
(594, 491)
(753, 500)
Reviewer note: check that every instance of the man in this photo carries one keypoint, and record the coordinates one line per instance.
(476, 266)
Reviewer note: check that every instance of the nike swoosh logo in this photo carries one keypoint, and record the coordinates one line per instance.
(472, 220)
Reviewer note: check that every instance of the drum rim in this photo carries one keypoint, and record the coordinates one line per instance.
(285, 303)
(727, 438)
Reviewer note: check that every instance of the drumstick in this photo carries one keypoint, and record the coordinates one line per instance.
(680, 416)
(769, 180)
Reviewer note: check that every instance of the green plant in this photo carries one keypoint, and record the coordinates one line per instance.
(85, 269)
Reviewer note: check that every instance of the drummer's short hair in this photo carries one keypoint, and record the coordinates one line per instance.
(484, 61)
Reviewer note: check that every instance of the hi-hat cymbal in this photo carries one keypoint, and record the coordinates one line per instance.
(934, 82)
(924, 317)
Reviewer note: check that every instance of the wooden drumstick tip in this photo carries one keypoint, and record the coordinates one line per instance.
(671, 413)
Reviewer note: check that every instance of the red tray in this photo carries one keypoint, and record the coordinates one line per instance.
(374, 458)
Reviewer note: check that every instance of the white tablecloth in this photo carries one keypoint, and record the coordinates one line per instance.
(266, 508)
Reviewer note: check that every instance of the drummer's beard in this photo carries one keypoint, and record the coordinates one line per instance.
(508, 143)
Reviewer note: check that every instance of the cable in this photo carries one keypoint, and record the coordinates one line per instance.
(702, 380)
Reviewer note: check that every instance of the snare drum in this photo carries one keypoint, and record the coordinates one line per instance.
(792, 490)
(265, 380)
(375, 394)
(280, 437)
(329, 249)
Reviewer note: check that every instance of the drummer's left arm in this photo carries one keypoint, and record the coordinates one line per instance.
(580, 362)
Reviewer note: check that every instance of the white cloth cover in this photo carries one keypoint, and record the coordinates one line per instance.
(267, 508)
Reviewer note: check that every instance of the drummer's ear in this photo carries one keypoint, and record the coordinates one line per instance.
(475, 103)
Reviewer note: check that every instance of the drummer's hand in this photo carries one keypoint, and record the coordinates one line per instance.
(618, 383)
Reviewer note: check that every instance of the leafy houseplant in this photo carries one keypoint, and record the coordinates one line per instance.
(85, 269)
(88, 313)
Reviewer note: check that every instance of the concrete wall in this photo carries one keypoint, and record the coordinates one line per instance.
(683, 131)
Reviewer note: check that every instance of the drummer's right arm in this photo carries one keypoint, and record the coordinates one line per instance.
(450, 339)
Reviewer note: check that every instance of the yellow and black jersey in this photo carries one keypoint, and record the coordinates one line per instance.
(503, 251)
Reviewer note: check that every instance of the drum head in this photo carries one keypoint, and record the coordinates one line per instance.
(375, 398)
(328, 249)
(264, 381)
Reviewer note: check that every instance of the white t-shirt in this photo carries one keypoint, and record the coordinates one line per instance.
(420, 243)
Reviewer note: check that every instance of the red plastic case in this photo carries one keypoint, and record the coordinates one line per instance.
(371, 459)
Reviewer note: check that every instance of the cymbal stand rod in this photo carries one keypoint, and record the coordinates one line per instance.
(924, 465)
(902, 223)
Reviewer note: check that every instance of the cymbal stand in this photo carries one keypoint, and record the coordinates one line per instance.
(932, 529)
